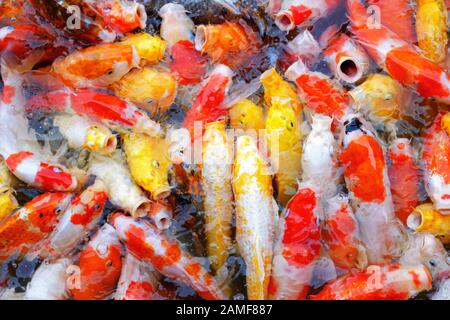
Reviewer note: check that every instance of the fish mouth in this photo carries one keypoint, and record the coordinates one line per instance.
(349, 71)
(285, 20)
(142, 14)
(142, 209)
(200, 38)
(414, 220)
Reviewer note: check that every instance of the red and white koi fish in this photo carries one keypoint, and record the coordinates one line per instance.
(100, 266)
(346, 59)
(396, 15)
(404, 178)
(32, 223)
(49, 282)
(436, 164)
(110, 110)
(187, 64)
(320, 157)
(399, 59)
(96, 66)
(78, 220)
(290, 14)
(366, 177)
(122, 16)
(28, 167)
(340, 234)
(322, 95)
(389, 282)
(138, 280)
(208, 104)
(147, 243)
(303, 47)
(297, 247)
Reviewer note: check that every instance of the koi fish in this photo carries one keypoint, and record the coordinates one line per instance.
(150, 49)
(148, 244)
(426, 218)
(218, 194)
(107, 109)
(435, 162)
(398, 58)
(96, 66)
(346, 59)
(80, 218)
(100, 266)
(231, 44)
(396, 15)
(32, 170)
(256, 215)
(8, 201)
(122, 190)
(89, 135)
(424, 248)
(49, 282)
(321, 94)
(340, 234)
(404, 178)
(297, 246)
(291, 14)
(305, 48)
(284, 137)
(149, 163)
(32, 223)
(320, 157)
(389, 282)
(366, 177)
(208, 104)
(431, 26)
(138, 280)
(381, 98)
(151, 89)
(246, 115)
(122, 16)
(187, 64)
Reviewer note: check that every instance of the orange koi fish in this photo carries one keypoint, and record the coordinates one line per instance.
(32, 223)
(390, 282)
(366, 177)
(404, 177)
(138, 280)
(300, 13)
(340, 234)
(436, 164)
(297, 247)
(122, 16)
(78, 220)
(187, 64)
(147, 243)
(322, 95)
(110, 110)
(100, 266)
(96, 66)
(398, 58)
(231, 44)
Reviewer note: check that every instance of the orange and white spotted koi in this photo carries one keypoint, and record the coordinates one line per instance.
(436, 164)
(398, 58)
(99, 265)
(389, 282)
(297, 246)
(31, 224)
(366, 177)
(321, 94)
(404, 178)
(148, 244)
(340, 234)
(290, 14)
(138, 280)
(77, 221)
(113, 112)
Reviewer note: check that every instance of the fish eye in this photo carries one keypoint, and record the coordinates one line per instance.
(57, 169)
(97, 206)
(41, 215)
(58, 210)
(243, 115)
(109, 263)
(155, 163)
(110, 72)
(432, 263)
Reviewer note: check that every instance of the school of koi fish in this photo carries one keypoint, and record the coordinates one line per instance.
(224, 149)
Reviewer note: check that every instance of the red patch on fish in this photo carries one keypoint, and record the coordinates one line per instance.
(51, 177)
(91, 210)
(14, 160)
(187, 64)
(8, 94)
(300, 14)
